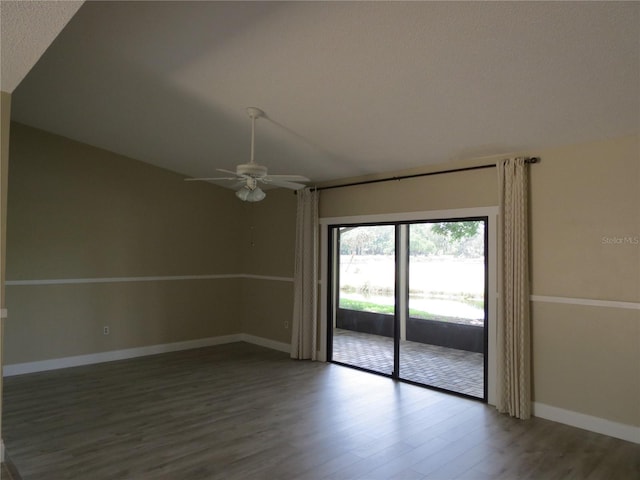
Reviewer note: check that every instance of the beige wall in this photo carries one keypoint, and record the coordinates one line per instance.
(585, 359)
(55, 321)
(5, 115)
(476, 188)
(580, 195)
(270, 234)
(78, 212)
(269, 251)
(267, 306)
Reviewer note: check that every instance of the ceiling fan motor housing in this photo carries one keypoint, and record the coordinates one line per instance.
(251, 169)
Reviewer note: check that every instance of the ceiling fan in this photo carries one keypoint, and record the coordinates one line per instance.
(249, 175)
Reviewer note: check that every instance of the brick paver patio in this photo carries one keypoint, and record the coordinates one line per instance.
(456, 370)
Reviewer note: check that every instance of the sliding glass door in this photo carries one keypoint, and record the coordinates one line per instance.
(409, 300)
(444, 341)
(363, 332)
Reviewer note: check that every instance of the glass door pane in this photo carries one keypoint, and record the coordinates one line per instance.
(442, 339)
(364, 297)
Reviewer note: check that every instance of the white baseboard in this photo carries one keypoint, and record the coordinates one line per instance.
(265, 342)
(75, 361)
(623, 431)
(78, 360)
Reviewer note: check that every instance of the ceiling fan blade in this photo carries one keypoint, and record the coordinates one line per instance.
(289, 178)
(209, 179)
(282, 183)
(229, 171)
(247, 175)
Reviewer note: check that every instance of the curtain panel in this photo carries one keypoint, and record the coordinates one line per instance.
(305, 288)
(514, 330)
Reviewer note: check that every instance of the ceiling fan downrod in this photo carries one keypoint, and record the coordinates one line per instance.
(253, 113)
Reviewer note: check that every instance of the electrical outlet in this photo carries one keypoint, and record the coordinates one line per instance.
(286, 324)
(105, 330)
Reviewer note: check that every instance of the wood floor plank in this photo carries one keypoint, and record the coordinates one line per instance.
(239, 411)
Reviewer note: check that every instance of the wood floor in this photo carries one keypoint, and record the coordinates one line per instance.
(239, 411)
(7, 473)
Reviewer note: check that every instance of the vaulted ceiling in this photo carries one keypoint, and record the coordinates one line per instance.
(349, 88)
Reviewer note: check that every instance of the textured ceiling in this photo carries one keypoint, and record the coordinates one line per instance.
(349, 88)
(28, 28)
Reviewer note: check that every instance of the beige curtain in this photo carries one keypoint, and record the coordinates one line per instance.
(305, 287)
(514, 333)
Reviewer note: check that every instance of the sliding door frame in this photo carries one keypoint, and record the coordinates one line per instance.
(491, 272)
(332, 264)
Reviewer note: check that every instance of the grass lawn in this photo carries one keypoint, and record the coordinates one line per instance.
(362, 306)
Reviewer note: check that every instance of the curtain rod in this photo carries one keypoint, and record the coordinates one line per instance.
(416, 175)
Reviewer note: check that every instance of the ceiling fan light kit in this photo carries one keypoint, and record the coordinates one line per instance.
(251, 173)
(251, 192)
(247, 195)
